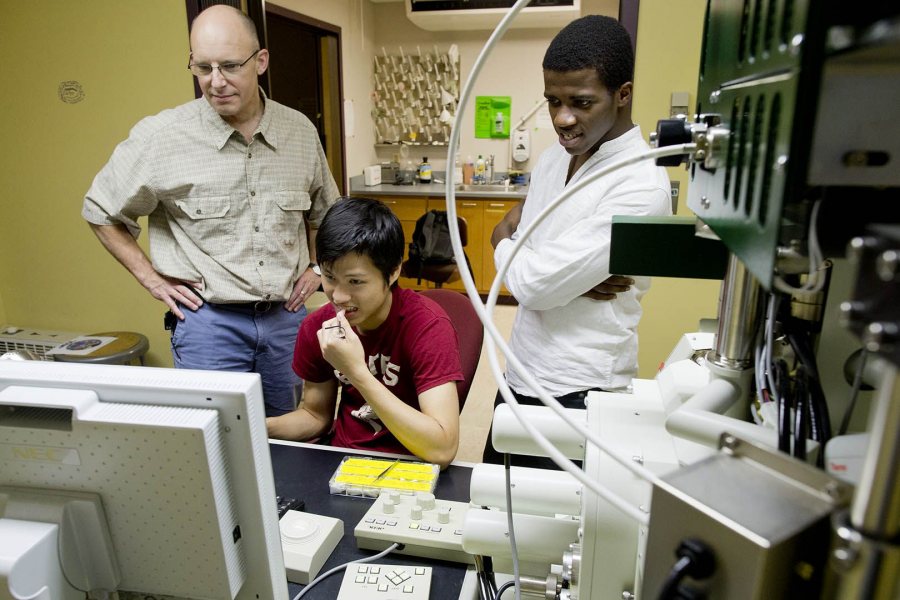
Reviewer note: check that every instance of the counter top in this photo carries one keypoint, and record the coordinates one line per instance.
(432, 190)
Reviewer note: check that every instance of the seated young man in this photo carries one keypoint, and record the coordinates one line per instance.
(393, 352)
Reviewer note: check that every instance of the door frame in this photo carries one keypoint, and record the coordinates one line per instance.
(335, 31)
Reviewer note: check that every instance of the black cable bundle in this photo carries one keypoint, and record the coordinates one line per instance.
(801, 408)
(817, 407)
(784, 406)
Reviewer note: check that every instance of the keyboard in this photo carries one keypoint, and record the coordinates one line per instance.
(385, 582)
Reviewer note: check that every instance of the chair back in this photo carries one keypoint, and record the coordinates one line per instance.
(469, 331)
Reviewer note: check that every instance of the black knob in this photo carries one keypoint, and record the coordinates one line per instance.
(670, 132)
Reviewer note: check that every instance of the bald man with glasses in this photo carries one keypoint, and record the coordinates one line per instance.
(234, 186)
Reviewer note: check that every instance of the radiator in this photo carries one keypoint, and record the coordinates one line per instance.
(36, 341)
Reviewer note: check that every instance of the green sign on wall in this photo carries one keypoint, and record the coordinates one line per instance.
(492, 114)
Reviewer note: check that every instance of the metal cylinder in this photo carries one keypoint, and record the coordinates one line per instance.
(876, 505)
(866, 558)
(738, 314)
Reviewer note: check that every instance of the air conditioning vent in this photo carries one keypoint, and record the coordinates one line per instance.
(455, 15)
(36, 341)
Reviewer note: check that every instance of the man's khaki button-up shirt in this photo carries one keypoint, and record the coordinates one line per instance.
(220, 211)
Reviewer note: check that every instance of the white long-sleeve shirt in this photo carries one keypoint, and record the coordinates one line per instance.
(568, 342)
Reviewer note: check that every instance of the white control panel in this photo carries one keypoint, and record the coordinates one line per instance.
(427, 527)
(385, 582)
(307, 540)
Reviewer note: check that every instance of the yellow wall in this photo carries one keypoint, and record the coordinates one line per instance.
(668, 60)
(129, 58)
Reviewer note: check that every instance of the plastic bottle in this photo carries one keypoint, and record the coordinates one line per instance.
(425, 171)
(457, 170)
(468, 170)
(498, 123)
(478, 178)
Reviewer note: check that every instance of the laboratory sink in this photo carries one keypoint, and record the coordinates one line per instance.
(488, 187)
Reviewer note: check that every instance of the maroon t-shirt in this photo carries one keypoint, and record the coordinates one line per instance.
(414, 350)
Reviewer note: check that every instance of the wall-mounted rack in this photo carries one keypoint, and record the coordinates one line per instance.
(415, 96)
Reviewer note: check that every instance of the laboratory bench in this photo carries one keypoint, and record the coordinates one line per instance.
(481, 206)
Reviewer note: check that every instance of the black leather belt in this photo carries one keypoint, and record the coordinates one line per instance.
(248, 308)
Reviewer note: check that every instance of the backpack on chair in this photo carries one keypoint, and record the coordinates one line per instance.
(430, 243)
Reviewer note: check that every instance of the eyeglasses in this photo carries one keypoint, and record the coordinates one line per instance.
(225, 69)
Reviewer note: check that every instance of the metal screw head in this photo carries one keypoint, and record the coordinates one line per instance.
(848, 312)
(879, 336)
(833, 489)
(780, 162)
(855, 248)
(796, 43)
(704, 202)
(886, 265)
(843, 558)
(714, 97)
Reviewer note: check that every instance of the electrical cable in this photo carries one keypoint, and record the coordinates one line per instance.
(854, 392)
(331, 572)
(815, 280)
(819, 417)
(507, 467)
(695, 559)
(494, 336)
(502, 589)
(784, 413)
(674, 577)
(774, 300)
(801, 424)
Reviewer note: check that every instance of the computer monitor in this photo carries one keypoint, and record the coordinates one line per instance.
(136, 479)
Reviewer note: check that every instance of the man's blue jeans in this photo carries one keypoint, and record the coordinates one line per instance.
(218, 339)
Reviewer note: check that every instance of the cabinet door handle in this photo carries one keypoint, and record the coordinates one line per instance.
(497, 204)
(469, 203)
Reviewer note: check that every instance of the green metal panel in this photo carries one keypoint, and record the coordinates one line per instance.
(664, 247)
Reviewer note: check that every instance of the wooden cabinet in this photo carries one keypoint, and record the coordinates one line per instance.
(471, 211)
(494, 211)
(481, 215)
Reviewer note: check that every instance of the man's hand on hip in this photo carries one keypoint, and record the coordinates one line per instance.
(173, 292)
(303, 289)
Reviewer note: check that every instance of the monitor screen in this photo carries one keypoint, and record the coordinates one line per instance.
(147, 480)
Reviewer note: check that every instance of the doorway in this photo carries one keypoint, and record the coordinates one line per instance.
(304, 70)
(305, 74)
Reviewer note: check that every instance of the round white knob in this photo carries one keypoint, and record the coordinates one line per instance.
(395, 496)
(443, 515)
(297, 529)
(388, 506)
(415, 513)
(425, 500)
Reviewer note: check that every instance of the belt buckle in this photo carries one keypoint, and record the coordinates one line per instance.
(262, 306)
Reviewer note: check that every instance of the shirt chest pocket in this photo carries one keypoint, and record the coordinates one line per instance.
(208, 221)
(288, 217)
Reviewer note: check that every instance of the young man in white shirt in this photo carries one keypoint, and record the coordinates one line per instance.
(576, 326)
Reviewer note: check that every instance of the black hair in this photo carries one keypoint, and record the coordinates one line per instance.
(361, 226)
(595, 42)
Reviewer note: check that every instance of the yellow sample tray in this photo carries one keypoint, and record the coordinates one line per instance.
(367, 476)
